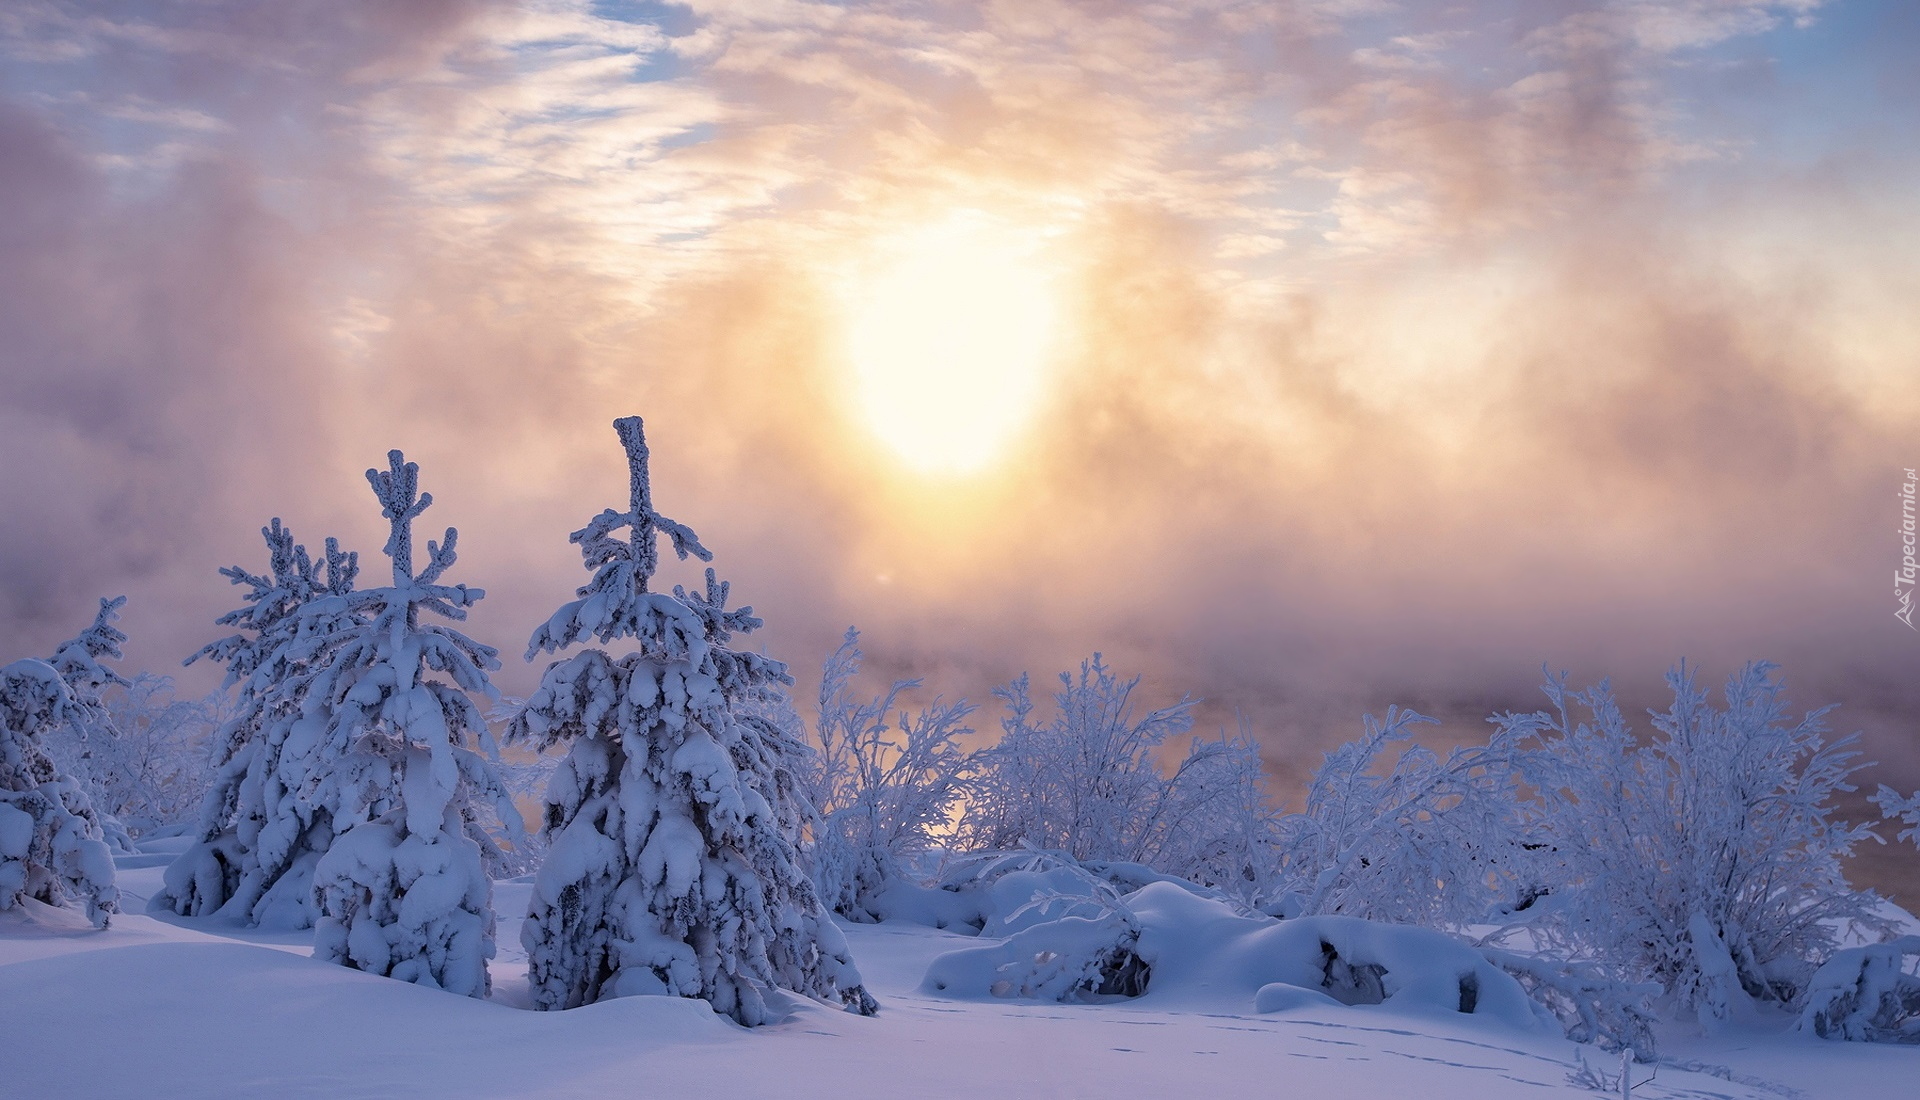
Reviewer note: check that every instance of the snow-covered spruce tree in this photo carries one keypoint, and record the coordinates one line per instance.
(78, 658)
(881, 798)
(673, 866)
(1706, 859)
(51, 849)
(387, 702)
(260, 830)
(82, 747)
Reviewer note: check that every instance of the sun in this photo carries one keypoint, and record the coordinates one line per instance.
(949, 341)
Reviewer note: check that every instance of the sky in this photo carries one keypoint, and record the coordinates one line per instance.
(1303, 357)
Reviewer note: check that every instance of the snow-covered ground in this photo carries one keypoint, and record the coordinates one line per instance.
(181, 1008)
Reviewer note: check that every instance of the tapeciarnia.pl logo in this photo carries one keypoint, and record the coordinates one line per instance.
(1903, 577)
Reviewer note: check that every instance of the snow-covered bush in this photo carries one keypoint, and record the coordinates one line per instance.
(1620, 1082)
(387, 706)
(882, 797)
(1231, 837)
(51, 849)
(1089, 783)
(1086, 930)
(674, 820)
(1086, 783)
(1591, 1007)
(1079, 956)
(1904, 809)
(152, 771)
(1867, 994)
(1701, 865)
(1707, 858)
(1432, 841)
(260, 830)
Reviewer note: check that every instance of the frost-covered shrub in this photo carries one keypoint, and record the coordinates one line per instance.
(1432, 841)
(1085, 783)
(1706, 858)
(1904, 809)
(883, 793)
(1229, 826)
(1591, 1007)
(153, 770)
(1867, 994)
(261, 831)
(51, 848)
(1700, 866)
(673, 822)
(388, 716)
(1089, 783)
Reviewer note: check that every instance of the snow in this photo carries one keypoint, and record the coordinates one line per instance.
(205, 1008)
(16, 832)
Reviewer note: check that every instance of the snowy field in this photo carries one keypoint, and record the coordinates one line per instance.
(185, 1008)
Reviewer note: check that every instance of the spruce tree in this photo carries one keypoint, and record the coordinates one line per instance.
(260, 831)
(673, 820)
(51, 849)
(388, 705)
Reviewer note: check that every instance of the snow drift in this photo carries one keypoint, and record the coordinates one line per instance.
(1180, 950)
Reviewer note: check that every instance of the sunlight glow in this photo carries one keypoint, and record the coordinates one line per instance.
(949, 340)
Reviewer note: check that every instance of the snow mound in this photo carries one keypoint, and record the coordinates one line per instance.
(32, 917)
(1178, 950)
